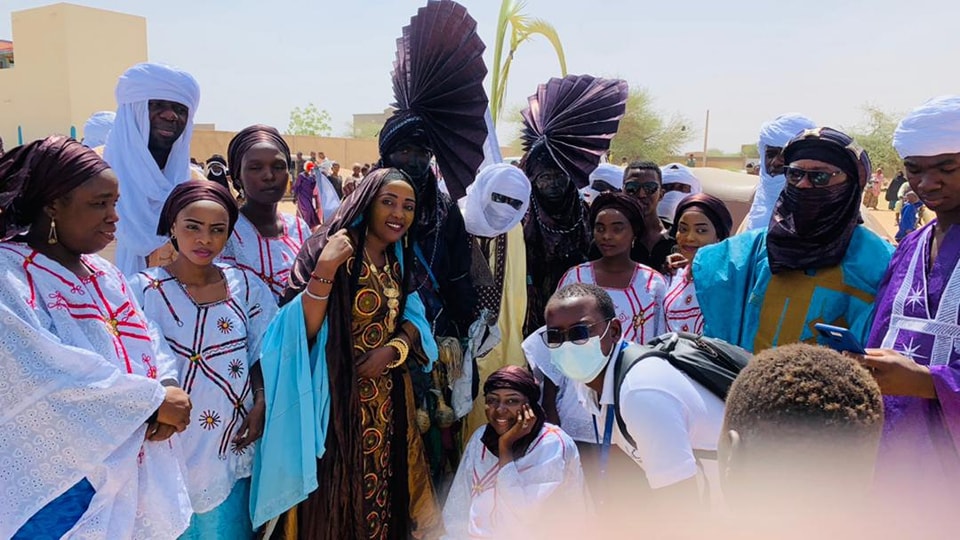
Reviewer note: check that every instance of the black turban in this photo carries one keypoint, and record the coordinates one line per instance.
(38, 173)
(190, 192)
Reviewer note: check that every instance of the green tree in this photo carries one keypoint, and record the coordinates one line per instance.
(646, 134)
(309, 120)
(522, 28)
(875, 135)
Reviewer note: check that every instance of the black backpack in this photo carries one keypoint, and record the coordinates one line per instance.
(711, 362)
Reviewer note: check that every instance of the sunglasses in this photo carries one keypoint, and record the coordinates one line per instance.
(649, 188)
(500, 198)
(578, 334)
(818, 178)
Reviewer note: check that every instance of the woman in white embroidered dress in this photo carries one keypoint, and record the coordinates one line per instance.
(636, 289)
(213, 317)
(264, 241)
(700, 220)
(518, 473)
(84, 416)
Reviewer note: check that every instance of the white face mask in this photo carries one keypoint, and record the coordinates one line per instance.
(499, 216)
(581, 363)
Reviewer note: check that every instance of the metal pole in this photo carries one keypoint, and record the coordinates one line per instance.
(706, 132)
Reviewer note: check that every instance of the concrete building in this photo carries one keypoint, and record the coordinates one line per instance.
(68, 60)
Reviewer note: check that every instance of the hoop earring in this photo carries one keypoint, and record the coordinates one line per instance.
(52, 237)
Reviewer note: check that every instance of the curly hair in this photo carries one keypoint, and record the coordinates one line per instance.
(799, 390)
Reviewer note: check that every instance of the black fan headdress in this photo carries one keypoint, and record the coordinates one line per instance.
(438, 86)
(572, 120)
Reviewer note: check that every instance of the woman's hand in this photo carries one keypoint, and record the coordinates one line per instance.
(676, 261)
(898, 375)
(525, 421)
(252, 427)
(175, 409)
(374, 362)
(338, 249)
(159, 432)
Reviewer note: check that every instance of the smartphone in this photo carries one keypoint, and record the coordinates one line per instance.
(838, 339)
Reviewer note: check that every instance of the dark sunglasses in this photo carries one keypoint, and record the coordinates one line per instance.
(578, 334)
(631, 188)
(818, 178)
(500, 198)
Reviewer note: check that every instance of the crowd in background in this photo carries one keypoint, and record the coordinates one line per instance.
(441, 345)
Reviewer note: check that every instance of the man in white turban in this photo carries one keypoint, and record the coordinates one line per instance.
(606, 177)
(494, 205)
(97, 127)
(149, 150)
(912, 349)
(773, 136)
(678, 182)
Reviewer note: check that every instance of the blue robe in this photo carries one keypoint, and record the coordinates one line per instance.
(744, 304)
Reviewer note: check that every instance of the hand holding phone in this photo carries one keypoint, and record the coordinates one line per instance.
(839, 339)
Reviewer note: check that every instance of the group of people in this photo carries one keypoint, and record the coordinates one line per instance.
(447, 348)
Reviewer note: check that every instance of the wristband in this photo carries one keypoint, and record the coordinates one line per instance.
(316, 297)
(321, 279)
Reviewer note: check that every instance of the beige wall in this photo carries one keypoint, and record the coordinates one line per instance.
(346, 152)
(68, 61)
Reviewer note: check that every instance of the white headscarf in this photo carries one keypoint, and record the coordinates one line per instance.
(97, 127)
(777, 132)
(931, 129)
(486, 218)
(607, 172)
(143, 186)
(675, 173)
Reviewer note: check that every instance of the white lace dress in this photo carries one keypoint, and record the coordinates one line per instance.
(79, 365)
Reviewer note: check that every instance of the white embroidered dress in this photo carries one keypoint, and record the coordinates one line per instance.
(79, 365)
(681, 307)
(270, 259)
(639, 306)
(215, 344)
(544, 485)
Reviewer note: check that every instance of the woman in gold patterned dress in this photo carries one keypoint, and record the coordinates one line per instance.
(372, 480)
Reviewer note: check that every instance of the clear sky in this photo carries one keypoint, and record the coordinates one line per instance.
(744, 60)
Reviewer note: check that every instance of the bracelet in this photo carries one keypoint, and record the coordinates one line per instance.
(316, 297)
(402, 349)
(255, 390)
(321, 279)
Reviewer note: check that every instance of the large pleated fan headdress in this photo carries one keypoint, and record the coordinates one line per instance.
(438, 86)
(572, 121)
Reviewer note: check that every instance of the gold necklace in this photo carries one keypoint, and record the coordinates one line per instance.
(388, 286)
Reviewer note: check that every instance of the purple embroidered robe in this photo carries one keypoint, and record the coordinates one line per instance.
(917, 315)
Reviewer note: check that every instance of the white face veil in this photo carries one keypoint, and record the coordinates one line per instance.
(931, 129)
(675, 173)
(778, 133)
(485, 212)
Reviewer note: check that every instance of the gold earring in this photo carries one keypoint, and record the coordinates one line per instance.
(406, 241)
(52, 237)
